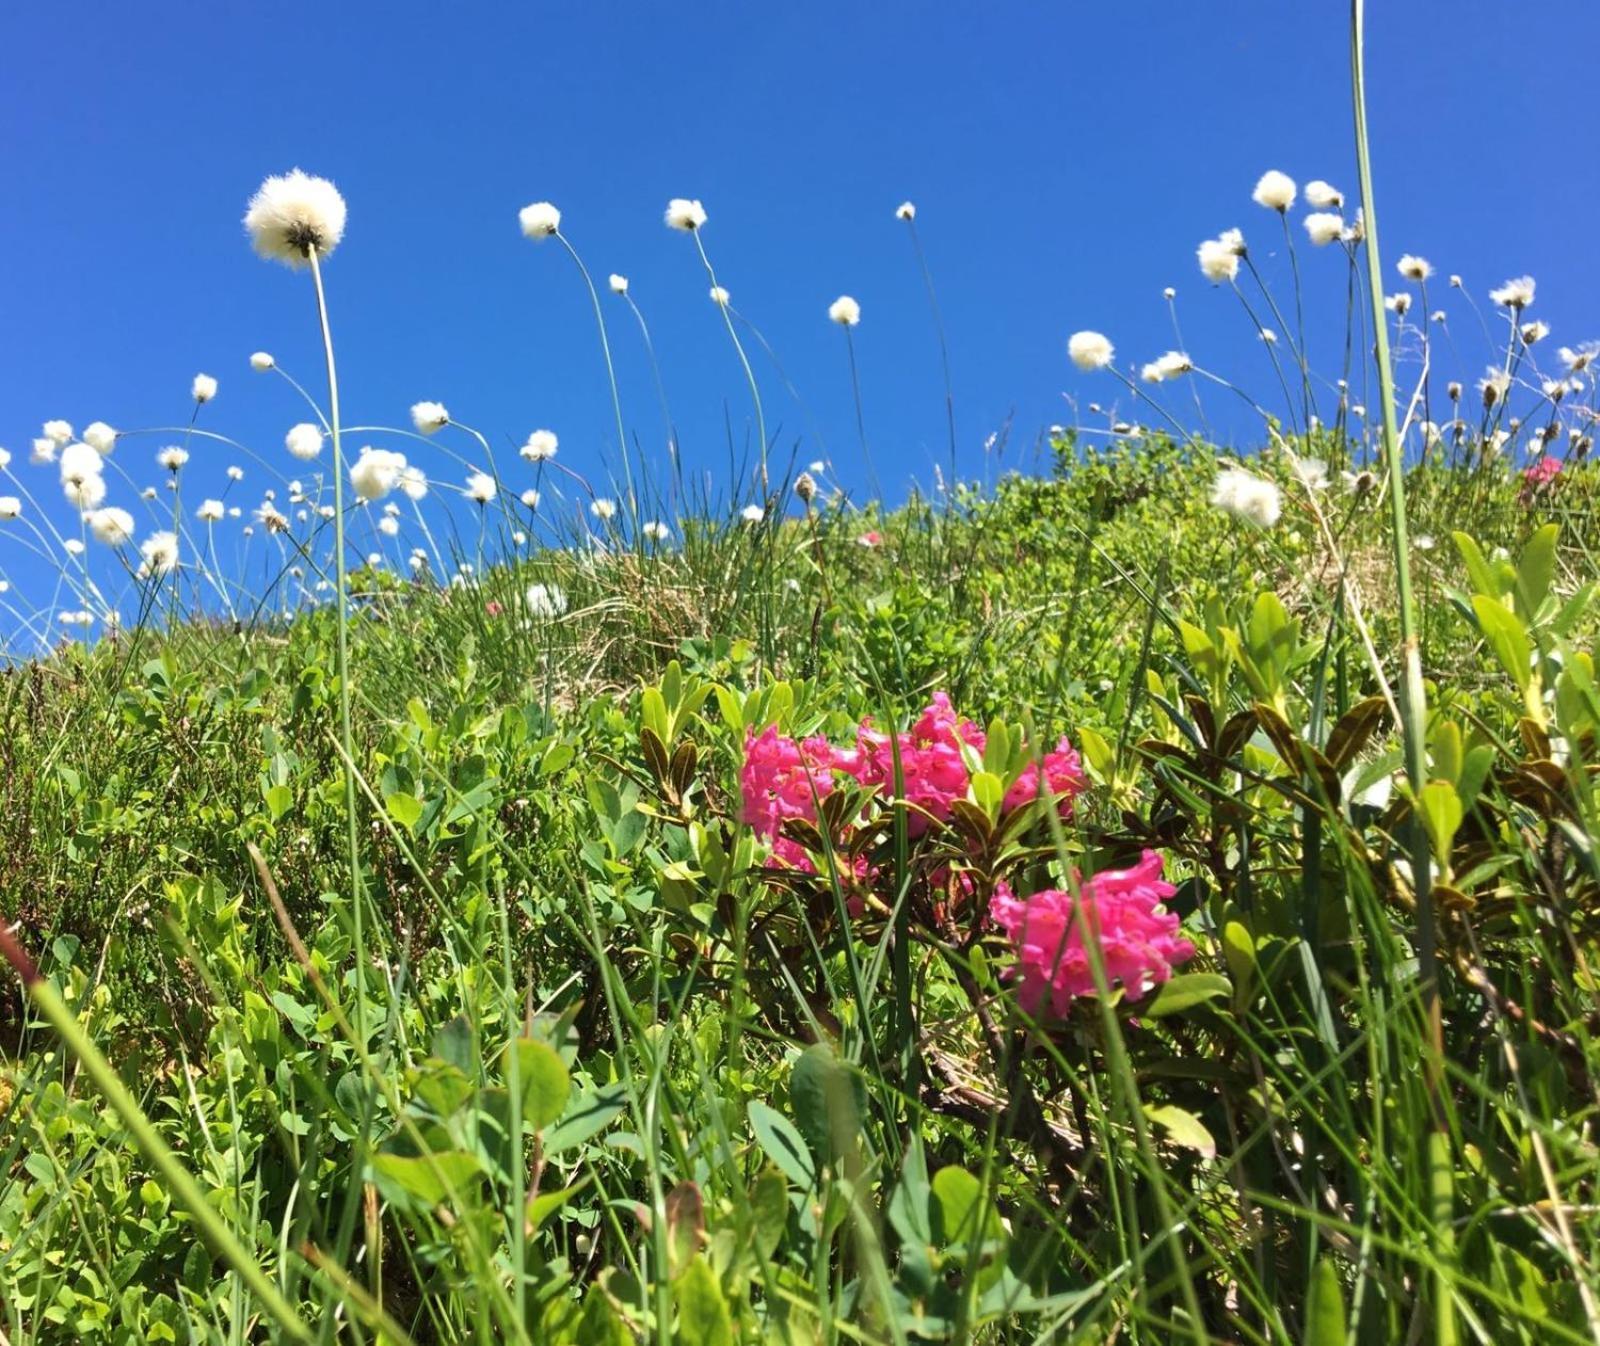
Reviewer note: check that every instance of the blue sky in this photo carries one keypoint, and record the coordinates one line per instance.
(1065, 159)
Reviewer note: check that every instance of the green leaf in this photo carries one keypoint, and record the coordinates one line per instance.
(429, 1178)
(1507, 638)
(782, 1143)
(546, 1085)
(1441, 815)
(1325, 1320)
(591, 1112)
(1185, 992)
(1483, 578)
(403, 808)
(1182, 1128)
(703, 1318)
(1536, 568)
(989, 790)
(1096, 751)
(823, 1094)
(280, 799)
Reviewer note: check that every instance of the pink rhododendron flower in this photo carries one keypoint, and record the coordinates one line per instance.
(1138, 939)
(1060, 773)
(784, 779)
(871, 539)
(933, 769)
(493, 608)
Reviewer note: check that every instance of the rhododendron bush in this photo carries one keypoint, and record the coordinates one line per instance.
(942, 767)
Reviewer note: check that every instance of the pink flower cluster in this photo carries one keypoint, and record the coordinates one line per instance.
(1139, 940)
(1541, 474)
(784, 779)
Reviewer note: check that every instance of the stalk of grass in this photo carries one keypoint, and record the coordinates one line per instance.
(910, 217)
(744, 362)
(1413, 723)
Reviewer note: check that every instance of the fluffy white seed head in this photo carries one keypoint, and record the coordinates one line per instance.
(1414, 268)
(57, 432)
(1247, 496)
(172, 458)
(1313, 473)
(1398, 304)
(1219, 257)
(685, 214)
(1579, 359)
(530, 498)
(376, 472)
(10, 508)
(1324, 227)
(1169, 366)
(1534, 331)
(619, 284)
(44, 451)
(1274, 190)
(656, 531)
(720, 296)
(304, 441)
(481, 488)
(539, 221)
(160, 553)
(752, 514)
(235, 474)
(429, 417)
(261, 362)
(546, 601)
(1323, 195)
(413, 483)
(100, 437)
(1514, 294)
(1090, 350)
(79, 460)
(204, 388)
(603, 509)
(845, 311)
(389, 526)
(1494, 386)
(906, 210)
(541, 445)
(85, 493)
(290, 215)
(210, 511)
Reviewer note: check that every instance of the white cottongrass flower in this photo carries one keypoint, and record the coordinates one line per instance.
(111, 525)
(540, 446)
(720, 296)
(539, 221)
(261, 362)
(160, 553)
(1514, 294)
(546, 601)
(1312, 472)
(519, 538)
(1219, 257)
(429, 417)
(906, 210)
(1247, 496)
(1090, 350)
(304, 441)
(656, 531)
(271, 518)
(172, 458)
(530, 498)
(78, 461)
(1323, 195)
(73, 547)
(685, 214)
(211, 511)
(204, 388)
(481, 488)
(85, 493)
(603, 509)
(148, 493)
(1274, 190)
(10, 508)
(1323, 227)
(845, 311)
(752, 514)
(57, 432)
(1494, 386)
(1576, 360)
(619, 284)
(389, 526)
(376, 472)
(5, 458)
(1423, 542)
(1356, 230)
(1414, 268)
(235, 474)
(413, 483)
(1534, 331)
(1268, 336)
(100, 437)
(1169, 366)
(44, 451)
(1398, 304)
(290, 215)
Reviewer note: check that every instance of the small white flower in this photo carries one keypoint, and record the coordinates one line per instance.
(619, 284)
(79, 461)
(656, 531)
(1414, 268)
(57, 432)
(172, 458)
(261, 362)
(1275, 191)
(481, 488)
(210, 511)
(1247, 496)
(845, 311)
(685, 214)
(540, 220)
(540, 446)
(1090, 350)
(546, 601)
(413, 483)
(1323, 196)
(376, 472)
(1323, 227)
(603, 509)
(100, 437)
(530, 498)
(290, 215)
(112, 526)
(10, 508)
(752, 514)
(304, 441)
(160, 552)
(906, 210)
(720, 296)
(1514, 294)
(44, 451)
(204, 388)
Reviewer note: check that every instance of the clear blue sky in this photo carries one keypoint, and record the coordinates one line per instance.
(1065, 160)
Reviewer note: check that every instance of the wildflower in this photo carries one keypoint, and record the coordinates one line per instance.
(720, 296)
(1168, 366)
(1494, 386)
(752, 514)
(905, 211)
(57, 432)
(1138, 940)
(871, 538)
(1219, 257)
(44, 451)
(1323, 196)
(1324, 227)
(539, 221)
(805, 486)
(429, 417)
(268, 516)
(1453, 390)
(149, 493)
(519, 538)
(1169, 294)
(261, 362)
(172, 458)
(656, 531)
(1090, 350)
(619, 284)
(1275, 191)
(481, 488)
(1059, 775)
(845, 311)
(1247, 496)
(1359, 483)
(1539, 476)
(1515, 294)
(204, 388)
(1268, 336)
(389, 526)
(210, 511)
(1398, 304)
(530, 498)
(78, 461)
(1356, 230)
(73, 547)
(376, 472)
(546, 601)
(304, 441)
(10, 508)
(1414, 268)
(1534, 331)
(603, 509)
(100, 437)
(290, 215)
(541, 445)
(685, 215)
(1312, 472)
(160, 553)
(413, 484)
(1580, 359)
